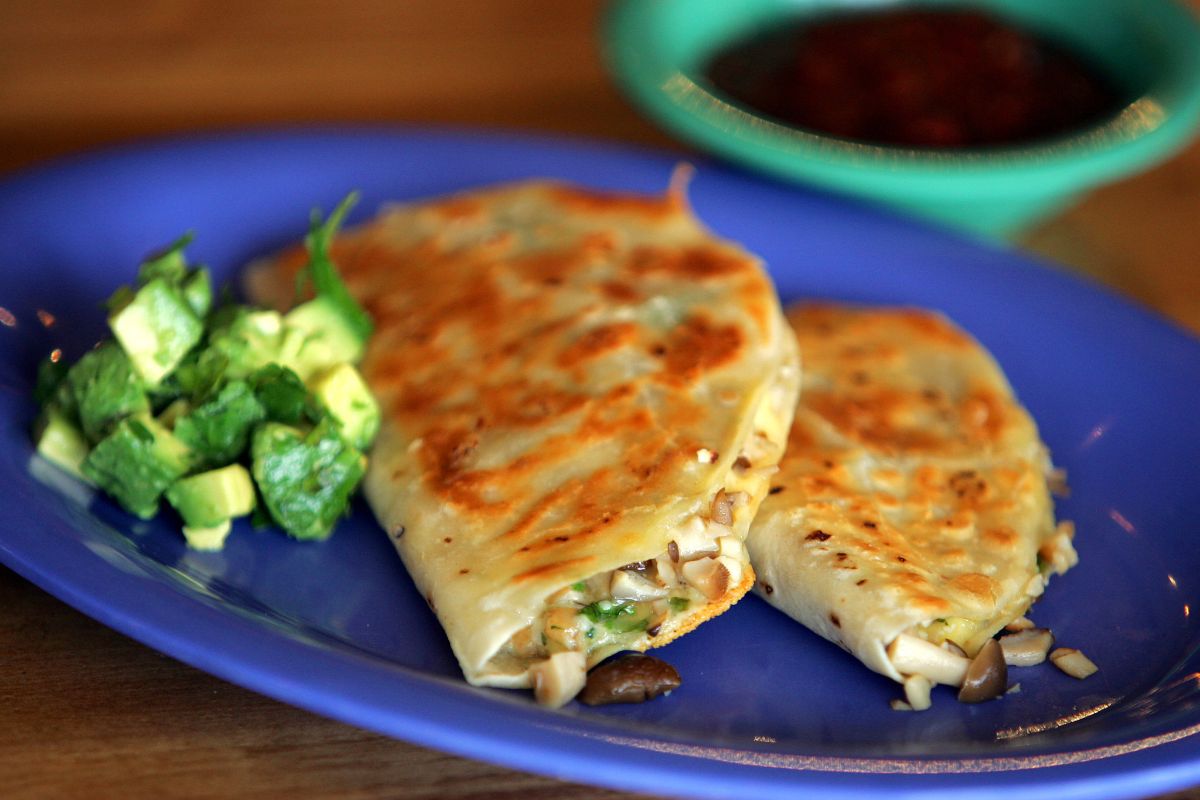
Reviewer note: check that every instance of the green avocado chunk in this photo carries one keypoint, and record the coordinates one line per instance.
(247, 339)
(218, 428)
(305, 479)
(326, 338)
(60, 442)
(169, 263)
(105, 388)
(136, 463)
(210, 539)
(156, 327)
(344, 394)
(207, 499)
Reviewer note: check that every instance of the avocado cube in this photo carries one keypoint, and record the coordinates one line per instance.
(218, 429)
(210, 539)
(306, 480)
(60, 442)
(197, 291)
(248, 339)
(283, 395)
(207, 499)
(156, 328)
(344, 394)
(136, 463)
(171, 414)
(328, 338)
(105, 388)
(169, 263)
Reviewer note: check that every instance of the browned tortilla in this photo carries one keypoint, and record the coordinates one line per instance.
(566, 376)
(913, 496)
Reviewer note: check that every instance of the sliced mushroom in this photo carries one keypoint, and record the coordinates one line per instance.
(1020, 624)
(660, 612)
(673, 551)
(1026, 648)
(629, 585)
(559, 678)
(951, 647)
(734, 567)
(1073, 662)
(1058, 551)
(987, 676)
(722, 511)
(913, 656)
(916, 692)
(693, 538)
(634, 678)
(731, 547)
(666, 573)
(709, 575)
(738, 500)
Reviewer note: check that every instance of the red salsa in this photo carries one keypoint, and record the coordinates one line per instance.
(915, 77)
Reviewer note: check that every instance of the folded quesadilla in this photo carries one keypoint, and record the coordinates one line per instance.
(584, 397)
(911, 518)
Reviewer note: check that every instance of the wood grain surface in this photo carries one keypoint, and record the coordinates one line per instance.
(86, 712)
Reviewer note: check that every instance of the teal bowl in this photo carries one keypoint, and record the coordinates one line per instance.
(1151, 48)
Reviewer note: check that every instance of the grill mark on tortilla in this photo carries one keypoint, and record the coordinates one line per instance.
(598, 342)
(696, 346)
(699, 262)
(566, 566)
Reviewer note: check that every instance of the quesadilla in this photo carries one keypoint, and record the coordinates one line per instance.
(584, 396)
(911, 518)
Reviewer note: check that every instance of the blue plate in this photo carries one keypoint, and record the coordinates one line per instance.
(766, 710)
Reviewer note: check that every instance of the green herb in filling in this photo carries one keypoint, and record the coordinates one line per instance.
(616, 617)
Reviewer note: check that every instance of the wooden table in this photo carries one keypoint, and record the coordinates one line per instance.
(86, 712)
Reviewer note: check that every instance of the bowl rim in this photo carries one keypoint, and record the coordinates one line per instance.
(1149, 128)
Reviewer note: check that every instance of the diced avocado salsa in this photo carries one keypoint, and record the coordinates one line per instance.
(222, 409)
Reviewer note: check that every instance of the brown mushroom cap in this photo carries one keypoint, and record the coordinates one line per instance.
(632, 678)
(987, 675)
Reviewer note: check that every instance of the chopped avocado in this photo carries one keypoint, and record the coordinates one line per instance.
(247, 338)
(208, 539)
(156, 328)
(209, 498)
(283, 395)
(327, 339)
(218, 429)
(171, 414)
(197, 291)
(136, 463)
(305, 479)
(344, 394)
(105, 388)
(60, 442)
(169, 263)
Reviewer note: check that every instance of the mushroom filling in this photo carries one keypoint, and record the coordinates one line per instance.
(608, 611)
